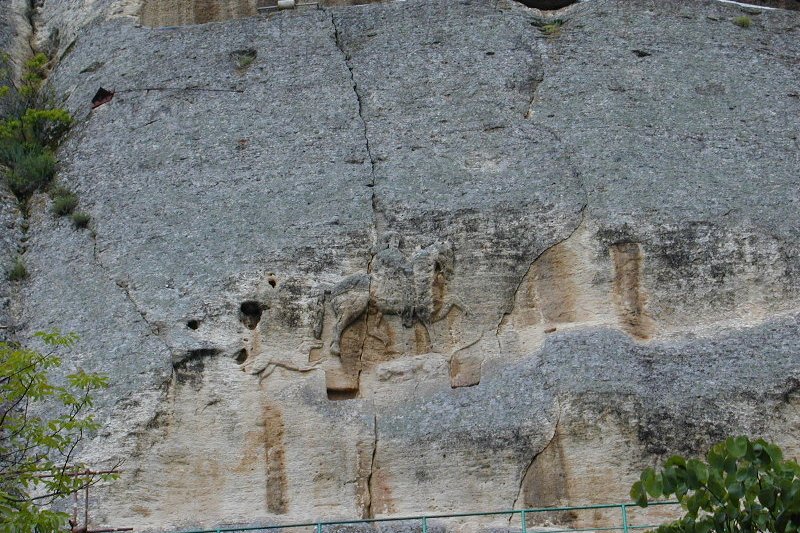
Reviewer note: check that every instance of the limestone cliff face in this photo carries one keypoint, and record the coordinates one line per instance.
(418, 256)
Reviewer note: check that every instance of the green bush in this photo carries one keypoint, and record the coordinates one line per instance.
(64, 202)
(80, 219)
(743, 486)
(34, 169)
(17, 272)
(743, 21)
(11, 151)
(30, 127)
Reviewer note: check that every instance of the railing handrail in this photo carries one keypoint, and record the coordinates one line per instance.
(319, 524)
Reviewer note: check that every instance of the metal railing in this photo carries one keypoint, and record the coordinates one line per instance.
(424, 521)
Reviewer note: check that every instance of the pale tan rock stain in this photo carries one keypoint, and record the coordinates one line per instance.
(381, 490)
(275, 451)
(180, 12)
(629, 295)
(545, 482)
(183, 12)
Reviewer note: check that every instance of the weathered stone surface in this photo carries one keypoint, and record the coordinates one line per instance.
(10, 221)
(421, 256)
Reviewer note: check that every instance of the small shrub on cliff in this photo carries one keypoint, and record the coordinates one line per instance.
(17, 272)
(80, 219)
(30, 127)
(743, 21)
(551, 28)
(30, 169)
(64, 201)
(743, 486)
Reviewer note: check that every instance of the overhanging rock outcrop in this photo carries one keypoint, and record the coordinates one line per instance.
(421, 256)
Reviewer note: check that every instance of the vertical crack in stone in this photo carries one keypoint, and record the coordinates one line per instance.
(510, 306)
(128, 296)
(370, 513)
(378, 225)
(523, 477)
(536, 83)
(30, 18)
(359, 100)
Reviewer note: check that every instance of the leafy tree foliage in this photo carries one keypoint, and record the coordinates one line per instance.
(743, 486)
(41, 425)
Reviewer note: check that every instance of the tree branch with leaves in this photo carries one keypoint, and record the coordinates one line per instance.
(42, 425)
(743, 486)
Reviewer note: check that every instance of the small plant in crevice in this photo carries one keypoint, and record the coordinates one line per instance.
(30, 127)
(551, 28)
(30, 166)
(80, 219)
(18, 271)
(64, 201)
(743, 21)
(243, 59)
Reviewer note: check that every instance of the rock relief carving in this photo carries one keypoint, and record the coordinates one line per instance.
(388, 311)
(412, 288)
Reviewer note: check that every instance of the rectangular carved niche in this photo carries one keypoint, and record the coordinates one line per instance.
(629, 295)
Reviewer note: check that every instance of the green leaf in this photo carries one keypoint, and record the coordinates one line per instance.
(63, 421)
(735, 490)
(737, 446)
(699, 470)
(651, 482)
(675, 460)
(638, 494)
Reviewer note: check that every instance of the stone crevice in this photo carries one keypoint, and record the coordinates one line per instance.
(30, 18)
(377, 218)
(537, 82)
(369, 509)
(128, 296)
(510, 306)
(530, 464)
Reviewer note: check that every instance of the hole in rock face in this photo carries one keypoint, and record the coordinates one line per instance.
(272, 282)
(102, 96)
(336, 395)
(250, 313)
(241, 356)
(193, 324)
(547, 4)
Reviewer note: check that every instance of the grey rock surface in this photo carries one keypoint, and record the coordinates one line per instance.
(10, 220)
(423, 256)
(9, 214)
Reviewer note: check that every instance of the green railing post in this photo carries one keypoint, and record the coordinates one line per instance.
(319, 527)
(624, 518)
(524, 522)
(424, 524)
